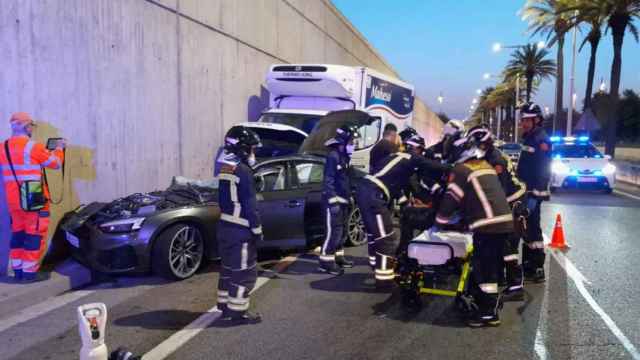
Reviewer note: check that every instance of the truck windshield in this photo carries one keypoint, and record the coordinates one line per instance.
(304, 122)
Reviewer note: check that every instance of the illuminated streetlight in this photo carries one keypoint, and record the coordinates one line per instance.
(497, 47)
(603, 86)
(440, 99)
(546, 110)
(541, 45)
(474, 101)
(486, 76)
(575, 97)
(479, 91)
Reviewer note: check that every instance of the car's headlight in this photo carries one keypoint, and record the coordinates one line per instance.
(609, 169)
(559, 168)
(122, 225)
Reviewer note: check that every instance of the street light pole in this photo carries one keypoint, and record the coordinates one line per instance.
(517, 119)
(572, 82)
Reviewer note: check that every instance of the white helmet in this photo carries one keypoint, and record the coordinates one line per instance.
(453, 127)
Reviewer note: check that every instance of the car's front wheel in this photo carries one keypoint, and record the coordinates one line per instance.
(178, 252)
(355, 226)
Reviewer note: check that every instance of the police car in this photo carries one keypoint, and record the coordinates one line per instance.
(578, 164)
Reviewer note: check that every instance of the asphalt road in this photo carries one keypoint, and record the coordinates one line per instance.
(588, 309)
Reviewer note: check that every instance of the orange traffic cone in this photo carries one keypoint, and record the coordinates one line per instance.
(557, 240)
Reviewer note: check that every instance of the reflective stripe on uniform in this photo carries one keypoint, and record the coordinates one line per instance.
(540, 193)
(327, 257)
(380, 223)
(494, 220)
(489, 288)
(257, 230)
(20, 167)
(399, 157)
(529, 149)
(27, 152)
(483, 172)
(380, 184)
(328, 236)
(515, 196)
(340, 253)
(338, 199)
(456, 190)
(536, 245)
(488, 210)
(235, 220)
(512, 257)
(223, 297)
(244, 256)
(402, 200)
(22, 177)
(442, 220)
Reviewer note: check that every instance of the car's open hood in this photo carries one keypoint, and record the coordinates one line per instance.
(277, 139)
(326, 129)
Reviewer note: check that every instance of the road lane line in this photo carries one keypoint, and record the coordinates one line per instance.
(175, 341)
(42, 308)
(538, 344)
(626, 194)
(579, 280)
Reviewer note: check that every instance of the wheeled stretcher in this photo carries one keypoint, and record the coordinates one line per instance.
(432, 259)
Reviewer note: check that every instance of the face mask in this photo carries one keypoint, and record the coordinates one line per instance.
(251, 160)
(350, 149)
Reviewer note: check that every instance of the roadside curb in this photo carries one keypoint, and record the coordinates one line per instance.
(66, 276)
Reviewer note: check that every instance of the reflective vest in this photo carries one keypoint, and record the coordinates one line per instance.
(28, 158)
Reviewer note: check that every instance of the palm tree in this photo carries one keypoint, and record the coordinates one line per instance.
(593, 13)
(546, 17)
(530, 62)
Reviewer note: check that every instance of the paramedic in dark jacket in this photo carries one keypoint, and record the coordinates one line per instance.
(534, 169)
(515, 191)
(385, 147)
(239, 228)
(474, 192)
(336, 195)
(374, 194)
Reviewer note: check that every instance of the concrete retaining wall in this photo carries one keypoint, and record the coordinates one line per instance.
(145, 89)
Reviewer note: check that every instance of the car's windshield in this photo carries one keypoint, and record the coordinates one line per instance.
(576, 151)
(304, 122)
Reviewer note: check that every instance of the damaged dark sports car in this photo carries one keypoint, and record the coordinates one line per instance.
(172, 232)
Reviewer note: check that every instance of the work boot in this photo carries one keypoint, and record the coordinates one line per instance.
(28, 278)
(513, 293)
(331, 268)
(483, 319)
(246, 319)
(536, 276)
(342, 262)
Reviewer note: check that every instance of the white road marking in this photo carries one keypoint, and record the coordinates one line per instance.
(175, 341)
(579, 280)
(42, 308)
(538, 344)
(626, 194)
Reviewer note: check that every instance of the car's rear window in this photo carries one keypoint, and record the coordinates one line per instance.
(576, 151)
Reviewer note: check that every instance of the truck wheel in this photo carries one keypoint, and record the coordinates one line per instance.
(178, 252)
(355, 226)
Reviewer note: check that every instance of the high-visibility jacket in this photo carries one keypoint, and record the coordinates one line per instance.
(28, 158)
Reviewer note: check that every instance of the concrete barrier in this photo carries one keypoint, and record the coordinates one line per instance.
(628, 172)
(145, 89)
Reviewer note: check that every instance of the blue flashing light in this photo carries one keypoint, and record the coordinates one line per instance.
(569, 139)
(583, 138)
(597, 156)
(557, 156)
(574, 172)
(555, 138)
(598, 173)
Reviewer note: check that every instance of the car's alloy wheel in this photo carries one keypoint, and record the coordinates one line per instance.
(355, 227)
(178, 252)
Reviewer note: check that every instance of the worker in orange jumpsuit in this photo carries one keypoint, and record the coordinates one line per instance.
(28, 228)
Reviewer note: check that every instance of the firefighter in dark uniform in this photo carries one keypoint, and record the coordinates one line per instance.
(239, 228)
(336, 194)
(474, 192)
(515, 190)
(534, 169)
(374, 195)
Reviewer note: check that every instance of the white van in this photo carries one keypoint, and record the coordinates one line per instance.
(301, 94)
